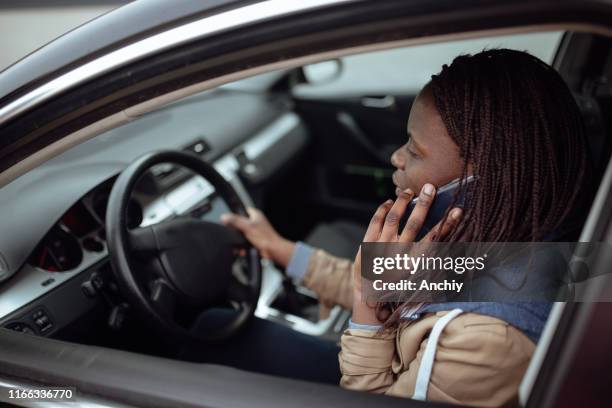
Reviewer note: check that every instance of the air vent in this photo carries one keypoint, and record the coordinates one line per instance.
(167, 171)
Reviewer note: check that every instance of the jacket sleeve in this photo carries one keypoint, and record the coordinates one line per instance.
(331, 279)
(479, 361)
(366, 360)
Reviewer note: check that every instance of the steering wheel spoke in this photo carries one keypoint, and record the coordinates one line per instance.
(238, 292)
(163, 297)
(239, 288)
(142, 239)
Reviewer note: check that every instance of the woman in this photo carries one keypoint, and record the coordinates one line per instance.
(507, 118)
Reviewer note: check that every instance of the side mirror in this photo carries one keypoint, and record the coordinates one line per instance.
(322, 72)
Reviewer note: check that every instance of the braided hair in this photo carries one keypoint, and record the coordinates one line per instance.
(516, 122)
(518, 126)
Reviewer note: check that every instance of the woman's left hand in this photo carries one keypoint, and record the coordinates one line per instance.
(384, 227)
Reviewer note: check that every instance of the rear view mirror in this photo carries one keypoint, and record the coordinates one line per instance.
(322, 72)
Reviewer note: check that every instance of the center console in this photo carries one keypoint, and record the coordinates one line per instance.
(306, 318)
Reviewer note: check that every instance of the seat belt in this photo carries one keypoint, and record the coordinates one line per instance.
(424, 374)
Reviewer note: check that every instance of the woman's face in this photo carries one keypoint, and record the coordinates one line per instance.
(430, 155)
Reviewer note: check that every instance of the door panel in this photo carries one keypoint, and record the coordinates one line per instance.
(352, 142)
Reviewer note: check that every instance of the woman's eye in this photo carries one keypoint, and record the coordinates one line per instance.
(410, 152)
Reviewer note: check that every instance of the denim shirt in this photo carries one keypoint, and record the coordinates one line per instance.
(540, 278)
(527, 316)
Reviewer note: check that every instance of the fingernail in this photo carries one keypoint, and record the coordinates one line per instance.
(456, 213)
(389, 201)
(225, 218)
(428, 189)
(405, 194)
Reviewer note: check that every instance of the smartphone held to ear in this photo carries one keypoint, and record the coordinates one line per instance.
(443, 199)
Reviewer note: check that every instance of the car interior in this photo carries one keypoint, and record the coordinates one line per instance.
(309, 146)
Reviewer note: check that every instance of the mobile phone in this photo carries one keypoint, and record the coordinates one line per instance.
(444, 198)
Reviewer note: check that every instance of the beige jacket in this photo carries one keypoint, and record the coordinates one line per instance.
(479, 361)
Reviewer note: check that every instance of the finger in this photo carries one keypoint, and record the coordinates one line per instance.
(418, 214)
(441, 230)
(253, 212)
(356, 267)
(392, 220)
(377, 221)
(237, 221)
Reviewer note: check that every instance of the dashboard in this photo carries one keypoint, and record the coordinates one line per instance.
(53, 253)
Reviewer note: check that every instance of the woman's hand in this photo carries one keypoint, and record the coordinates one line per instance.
(384, 228)
(262, 235)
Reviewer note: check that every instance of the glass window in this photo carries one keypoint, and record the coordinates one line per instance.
(406, 70)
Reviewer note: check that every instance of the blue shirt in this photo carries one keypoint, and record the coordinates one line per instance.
(529, 317)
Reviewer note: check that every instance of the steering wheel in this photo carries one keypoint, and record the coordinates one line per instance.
(184, 263)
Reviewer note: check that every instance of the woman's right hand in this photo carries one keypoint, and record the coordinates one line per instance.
(384, 228)
(262, 235)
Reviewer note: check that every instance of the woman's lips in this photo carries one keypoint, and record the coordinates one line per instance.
(398, 189)
(393, 177)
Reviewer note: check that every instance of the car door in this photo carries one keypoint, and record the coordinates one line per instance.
(36, 124)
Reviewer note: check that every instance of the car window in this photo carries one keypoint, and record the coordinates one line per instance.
(406, 70)
(51, 19)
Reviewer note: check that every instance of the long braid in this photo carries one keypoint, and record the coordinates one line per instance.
(518, 126)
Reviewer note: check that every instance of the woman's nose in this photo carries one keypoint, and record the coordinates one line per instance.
(397, 160)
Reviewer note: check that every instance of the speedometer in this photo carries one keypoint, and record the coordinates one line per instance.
(58, 251)
(79, 220)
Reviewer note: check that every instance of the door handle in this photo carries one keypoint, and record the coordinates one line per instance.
(378, 102)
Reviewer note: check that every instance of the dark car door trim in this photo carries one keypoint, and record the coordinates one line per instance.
(316, 30)
(564, 329)
(139, 380)
(157, 43)
(64, 363)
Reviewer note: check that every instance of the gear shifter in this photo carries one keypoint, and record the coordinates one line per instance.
(290, 297)
(291, 301)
